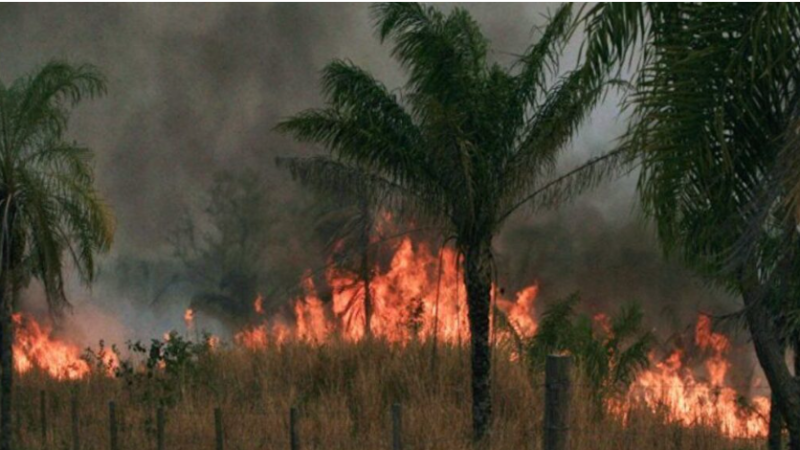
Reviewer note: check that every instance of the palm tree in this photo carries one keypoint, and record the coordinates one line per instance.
(49, 206)
(715, 125)
(465, 143)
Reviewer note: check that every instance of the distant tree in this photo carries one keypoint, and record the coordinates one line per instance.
(49, 205)
(465, 143)
(716, 128)
(223, 250)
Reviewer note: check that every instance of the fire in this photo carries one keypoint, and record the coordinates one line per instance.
(34, 346)
(188, 318)
(416, 297)
(673, 388)
(410, 299)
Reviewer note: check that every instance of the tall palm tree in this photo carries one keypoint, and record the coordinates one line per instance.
(465, 143)
(715, 126)
(49, 208)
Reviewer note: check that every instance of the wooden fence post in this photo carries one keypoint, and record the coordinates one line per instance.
(160, 428)
(397, 427)
(218, 428)
(294, 437)
(43, 415)
(76, 438)
(556, 402)
(112, 426)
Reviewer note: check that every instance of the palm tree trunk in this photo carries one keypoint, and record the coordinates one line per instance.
(6, 363)
(771, 358)
(366, 270)
(775, 430)
(478, 280)
(775, 435)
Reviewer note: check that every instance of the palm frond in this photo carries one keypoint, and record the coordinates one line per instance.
(48, 184)
(45, 98)
(541, 60)
(443, 54)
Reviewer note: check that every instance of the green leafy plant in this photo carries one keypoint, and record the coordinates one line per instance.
(609, 351)
(161, 372)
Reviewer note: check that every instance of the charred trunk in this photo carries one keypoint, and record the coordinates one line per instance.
(769, 350)
(6, 363)
(478, 280)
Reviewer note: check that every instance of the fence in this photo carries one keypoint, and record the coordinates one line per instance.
(555, 430)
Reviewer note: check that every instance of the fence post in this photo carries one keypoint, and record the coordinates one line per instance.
(112, 425)
(556, 402)
(397, 427)
(76, 438)
(218, 428)
(294, 437)
(43, 415)
(160, 428)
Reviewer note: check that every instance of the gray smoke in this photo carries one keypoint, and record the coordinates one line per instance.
(194, 89)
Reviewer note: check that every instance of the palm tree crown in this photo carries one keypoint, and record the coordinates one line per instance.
(466, 139)
(464, 143)
(49, 204)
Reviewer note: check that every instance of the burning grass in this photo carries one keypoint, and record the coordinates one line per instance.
(343, 391)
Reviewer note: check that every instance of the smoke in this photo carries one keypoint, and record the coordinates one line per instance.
(194, 89)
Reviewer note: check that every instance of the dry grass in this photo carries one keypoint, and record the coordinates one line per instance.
(343, 393)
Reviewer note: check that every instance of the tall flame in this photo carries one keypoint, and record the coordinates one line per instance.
(673, 388)
(414, 298)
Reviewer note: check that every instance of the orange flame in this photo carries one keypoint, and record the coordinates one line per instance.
(188, 318)
(673, 388)
(258, 305)
(34, 346)
(410, 300)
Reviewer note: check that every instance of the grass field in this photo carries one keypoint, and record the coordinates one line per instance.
(343, 393)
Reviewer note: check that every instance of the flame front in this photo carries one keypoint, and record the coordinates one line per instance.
(674, 389)
(411, 299)
(416, 297)
(34, 346)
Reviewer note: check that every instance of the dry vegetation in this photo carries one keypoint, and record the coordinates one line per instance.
(343, 393)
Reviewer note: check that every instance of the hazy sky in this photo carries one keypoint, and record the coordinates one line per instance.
(195, 88)
(198, 88)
